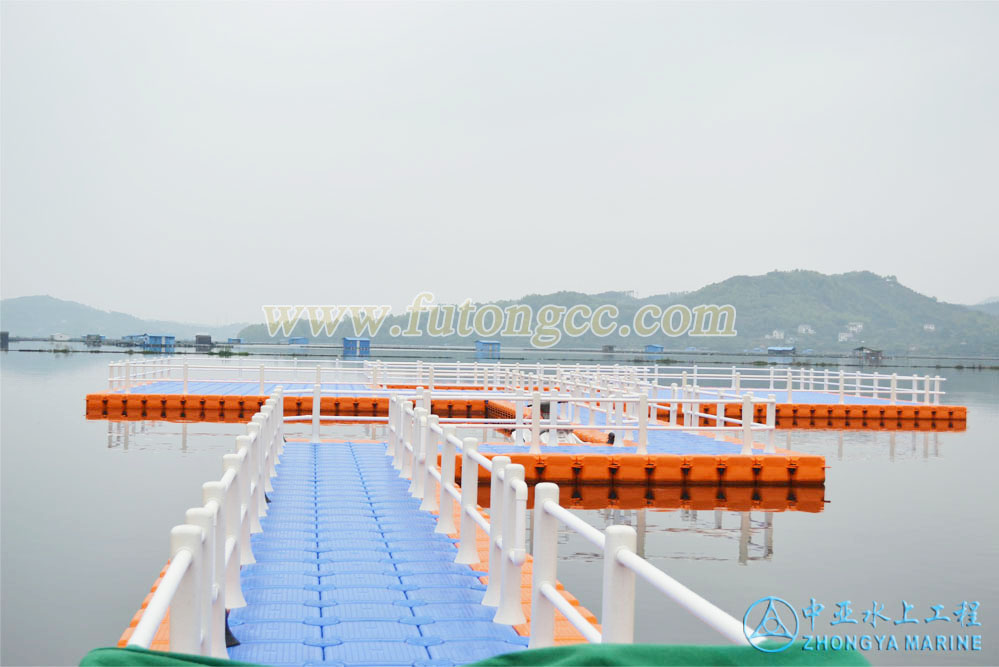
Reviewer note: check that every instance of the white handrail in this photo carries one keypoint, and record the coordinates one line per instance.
(416, 438)
(413, 442)
(918, 389)
(621, 565)
(202, 580)
(159, 603)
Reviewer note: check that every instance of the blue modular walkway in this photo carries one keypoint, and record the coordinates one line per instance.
(349, 571)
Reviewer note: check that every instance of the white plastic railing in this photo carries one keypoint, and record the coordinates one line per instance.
(621, 565)
(414, 438)
(202, 580)
(924, 390)
(625, 415)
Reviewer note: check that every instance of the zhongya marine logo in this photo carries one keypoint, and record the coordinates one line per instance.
(771, 617)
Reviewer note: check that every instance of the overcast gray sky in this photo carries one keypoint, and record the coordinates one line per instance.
(197, 160)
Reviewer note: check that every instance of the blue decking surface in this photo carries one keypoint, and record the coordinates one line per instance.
(349, 571)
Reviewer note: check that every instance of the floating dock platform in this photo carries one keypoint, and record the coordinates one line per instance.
(349, 570)
(803, 398)
(236, 401)
(413, 551)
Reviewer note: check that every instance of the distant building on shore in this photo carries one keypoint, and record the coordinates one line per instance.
(867, 356)
(202, 343)
(152, 342)
(781, 354)
(356, 347)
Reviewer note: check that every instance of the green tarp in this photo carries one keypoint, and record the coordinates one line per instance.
(585, 655)
(123, 657)
(578, 655)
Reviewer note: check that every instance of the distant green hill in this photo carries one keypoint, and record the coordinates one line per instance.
(36, 316)
(990, 306)
(891, 316)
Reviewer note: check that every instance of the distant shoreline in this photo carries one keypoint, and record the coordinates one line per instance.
(619, 356)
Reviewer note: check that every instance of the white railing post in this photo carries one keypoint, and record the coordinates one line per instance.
(266, 444)
(535, 422)
(518, 417)
(128, 378)
(232, 535)
(245, 443)
(936, 390)
(893, 389)
(619, 423)
(185, 608)
(672, 405)
(771, 424)
(185, 376)
(317, 403)
(256, 470)
(926, 400)
(643, 424)
(553, 408)
(420, 455)
(618, 610)
(747, 424)
(241, 510)
(430, 446)
(226, 555)
(468, 552)
(445, 515)
(261, 379)
(205, 518)
(391, 433)
(545, 546)
(405, 434)
(842, 387)
(491, 597)
(409, 455)
(279, 416)
(512, 553)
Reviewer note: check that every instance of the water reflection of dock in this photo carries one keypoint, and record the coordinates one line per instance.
(854, 445)
(751, 535)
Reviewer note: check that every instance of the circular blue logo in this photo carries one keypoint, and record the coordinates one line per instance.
(770, 616)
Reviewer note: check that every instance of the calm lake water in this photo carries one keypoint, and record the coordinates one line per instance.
(86, 517)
